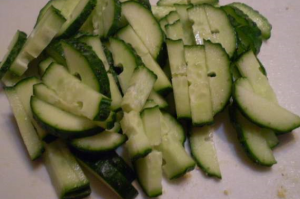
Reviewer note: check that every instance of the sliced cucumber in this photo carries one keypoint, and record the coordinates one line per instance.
(150, 104)
(84, 100)
(158, 99)
(65, 173)
(83, 62)
(61, 123)
(160, 12)
(56, 51)
(218, 70)
(105, 141)
(199, 90)
(262, 22)
(174, 31)
(172, 17)
(76, 17)
(188, 36)
(171, 2)
(252, 139)
(262, 111)
(125, 58)
(14, 49)
(145, 26)
(170, 126)
(138, 144)
(140, 87)
(162, 84)
(29, 135)
(162, 23)
(212, 2)
(203, 150)
(38, 40)
(111, 17)
(270, 137)
(149, 172)
(151, 121)
(249, 67)
(106, 172)
(44, 65)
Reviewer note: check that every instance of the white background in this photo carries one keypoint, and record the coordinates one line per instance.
(20, 178)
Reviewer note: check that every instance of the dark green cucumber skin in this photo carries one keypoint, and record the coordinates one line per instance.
(76, 25)
(145, 3)
(13, 54)
(82, 192)
(56, 51)
(232, 115)
(117, 19)
(95, 63)
(248, 34)
(186, 170)
(55, 131)
(41, 12)
(141, 155)
(109, 173)
(104, 110)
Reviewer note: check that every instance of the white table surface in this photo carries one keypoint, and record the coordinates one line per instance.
(20, 178)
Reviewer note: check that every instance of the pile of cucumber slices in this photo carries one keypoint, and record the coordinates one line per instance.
(96, 75)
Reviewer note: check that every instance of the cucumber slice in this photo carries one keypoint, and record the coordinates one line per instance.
(65, 173)
(38, 40)
(149, 172)
(188, 36)
(171, 2)
(199, 90)
(261, 21)
(44, 65)
(83, 62)
(28, 133)
(56, 51)
(212, 2)
(151, 121)
(174, 31)
(162, 84)
(14, 49)
(270, 137)
(105, 141)
(160, 12)
(61, 123)
(249, 67)
(150, 104)
(158, 99)
(84, 100)
(172, 17)
(204, 152)
(162, 23)
(125, 58)
(218, 70)
(138, 144)
(106, 172)
(111, 17)
(170, 126)
(273, 115)
(177, 161)
(42, 92)
(145, 26)
(140, 86)
(76, 18)
(252, 139)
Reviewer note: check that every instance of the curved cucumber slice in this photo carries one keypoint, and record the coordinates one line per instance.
(44, 65)
(158, 99)
(172, 17)
(203, 150)
(188, 36)
(171, 2)
(14, 49)
(145, 26)
(83, 62)
(174, 31)
(160, 12)
(170, 126)
(262, 111)
(105, 141)
(111, 17)
(261, 21)
(56, 51)
(61, 123)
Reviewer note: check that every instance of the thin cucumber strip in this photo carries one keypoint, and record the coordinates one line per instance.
(140, 87)
(150, 104)
(218, 71)
(107, 173)
(38, 40)
(261, 21)
(252, 139)
(162, 23)
(138, 144)
(56, 51)
(149, 172)
(171, 2)
(45, 64)
(203, 150)
(84, 100)
(199, 90)
(104, 141)
(174, 31)
(160, 12)
(111, 17)
(30, 138)
(64, 171)
(14, 49)
(212, 2)
(188, 36)
(270, 137)
(152, 125)
(145, 26)
(158, 99)
(172, 17)
(61, 123)
(273, 115)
